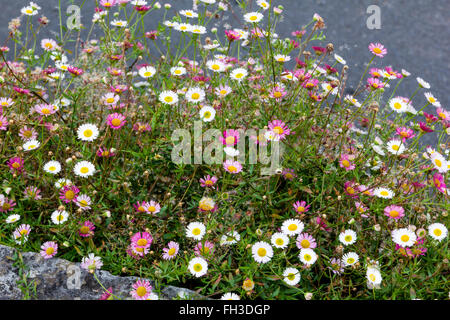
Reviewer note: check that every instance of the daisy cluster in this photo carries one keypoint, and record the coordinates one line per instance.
(358, 204)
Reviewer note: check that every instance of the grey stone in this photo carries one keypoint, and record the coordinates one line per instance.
(59, 279)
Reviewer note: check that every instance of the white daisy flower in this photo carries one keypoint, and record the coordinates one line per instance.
(230, 151)
(378, 149)
(307, 256)
(279, 240)
(262, 252)
(340, 59)
(59, 217)
(439, 162)
(198, 267)
(183, 27)
(423, 83)
(195, 230)
(347, 237)
(207, 113)
(215, 65)
(282, 58)
(12, 218)
(119, 23)
(431, 99)
(31, 145)
(197, 29)
(189, 13)
(177, 71)
(230, 238)
(263, 4)
(238, 74)
(292, 227)
(168, 97)
(87, 132)
(147, 72)
(62, 182)
(291, 276)
(395, 147)
(398, 105)
(350, 259)
(230, 296)
(253, 17)
(170, 24)
(404, 237)
(383, 193)
(49, 44)
(84, 169)
(437, 231)
(52, 167)
(29, 11)
(195, 95)
(110, 99)
(373, 276)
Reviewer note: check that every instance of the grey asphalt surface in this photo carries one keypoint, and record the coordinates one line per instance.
(415, 32)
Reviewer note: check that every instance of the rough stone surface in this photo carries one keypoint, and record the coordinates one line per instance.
(59, 279)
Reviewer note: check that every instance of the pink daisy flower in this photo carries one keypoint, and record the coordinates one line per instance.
(68, 193)
(280, 129)
(289, 174)
(105, 152)
(306, 241)
(232, 167)
(44, 109)
(350, 190)
(301, 207)
(424, 128)
(204, 249)
(27, 133)
(15, 164)
(394, 212)
(142, 240)
(278, 93)
(87, 229)
(310, 84)
(107, 295)
(208, 181)
(375, 83)
(3, 123)
(6, 204)
(116, 121)
(230, 137)
(378, 49)
(32, 192)
(21, 233)
(346, 163)
(141, 207)
(439, 182)
(75, 71)
(49, 249)
(171, 251)
(83, 201)
(142, 290)
(405, 133)
(141, 127)
(232, 35)
(362, 209)
(153, 207)
(443, 114)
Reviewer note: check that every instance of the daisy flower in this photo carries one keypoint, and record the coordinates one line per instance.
(168, 97)
(147, 72)
(222, 91)
(6, 204)
(83, 201)
(422, 83)
(49, 44)
(289, 174)
(230, 151)
(208, 181)
(336, 266)
(183, 27)
(21, 233)
(29, 11)
(110, 99)
(306, 241)
(384, 193)
(195, 95)
(238, 74)
(291, 276)
(142, 290)
(204, 249)
(378, 49)
(195, 230)
(142, 239)
(6, 102)
(279, 240)
(340, 59)
(49, 249)
(32, 192)
(12, 218)
(347, 237)
(439, 162)
(207, 113)
(215, 65)
(91, 262)
(177, 71)
(171, 251)
(439, 182)
(59, 217)
(87, 229)
(253, 17)
(84, 169)
(116, 121)
(230, 137)
(62, 183)
(87, 132)
(262, 252)
(292, 227)
(307, 256)
(345, 162)
(404, 237)
(206, 204)
(279, 128)
(230, 238)
(282, 58)
(248, 285)
(395, 147)
(394, 212)
(437, 231)
(189, 13)
(232, 166)
(15, 164)
(405, 133)
(230, 296)
(198, 267)
(350, 259)
(119, 23)
(44, 109)
(373, 276)
(68, 193)
(431, 99)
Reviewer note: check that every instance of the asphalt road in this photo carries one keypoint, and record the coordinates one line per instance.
(415, 32)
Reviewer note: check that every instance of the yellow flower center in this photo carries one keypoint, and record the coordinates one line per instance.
(292, 227)
(397, 105)
(168, 99)
(372, 277)
(404, 238)
(15, 165)
(346, 163)
(291, 276)
(141, 291)
(377, 50)
(396, 147)
(230, 140)
(384, 193)
(239, 75)
(83, 203)
(262, 252)
(198, 267)
(438, 162)
(437, 232)
(152, 208)
(277, 94)
(84, 170)
(305, 244)
(171, 251)
(223, 92)
(195, 96)
(110, 100)
(45, 111)
(215, 67)
(49, 250)
(253, 18)
(279, 241)
(350, 190)
(232, 168)
(196, 231)
(84, 229)
(394, 213)
(278, 130)
(69, 194)
(307, 257)
(147, 74)
(116, 122)
(350, 260)
(348, 238)
(88, 133)
(142, 242)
